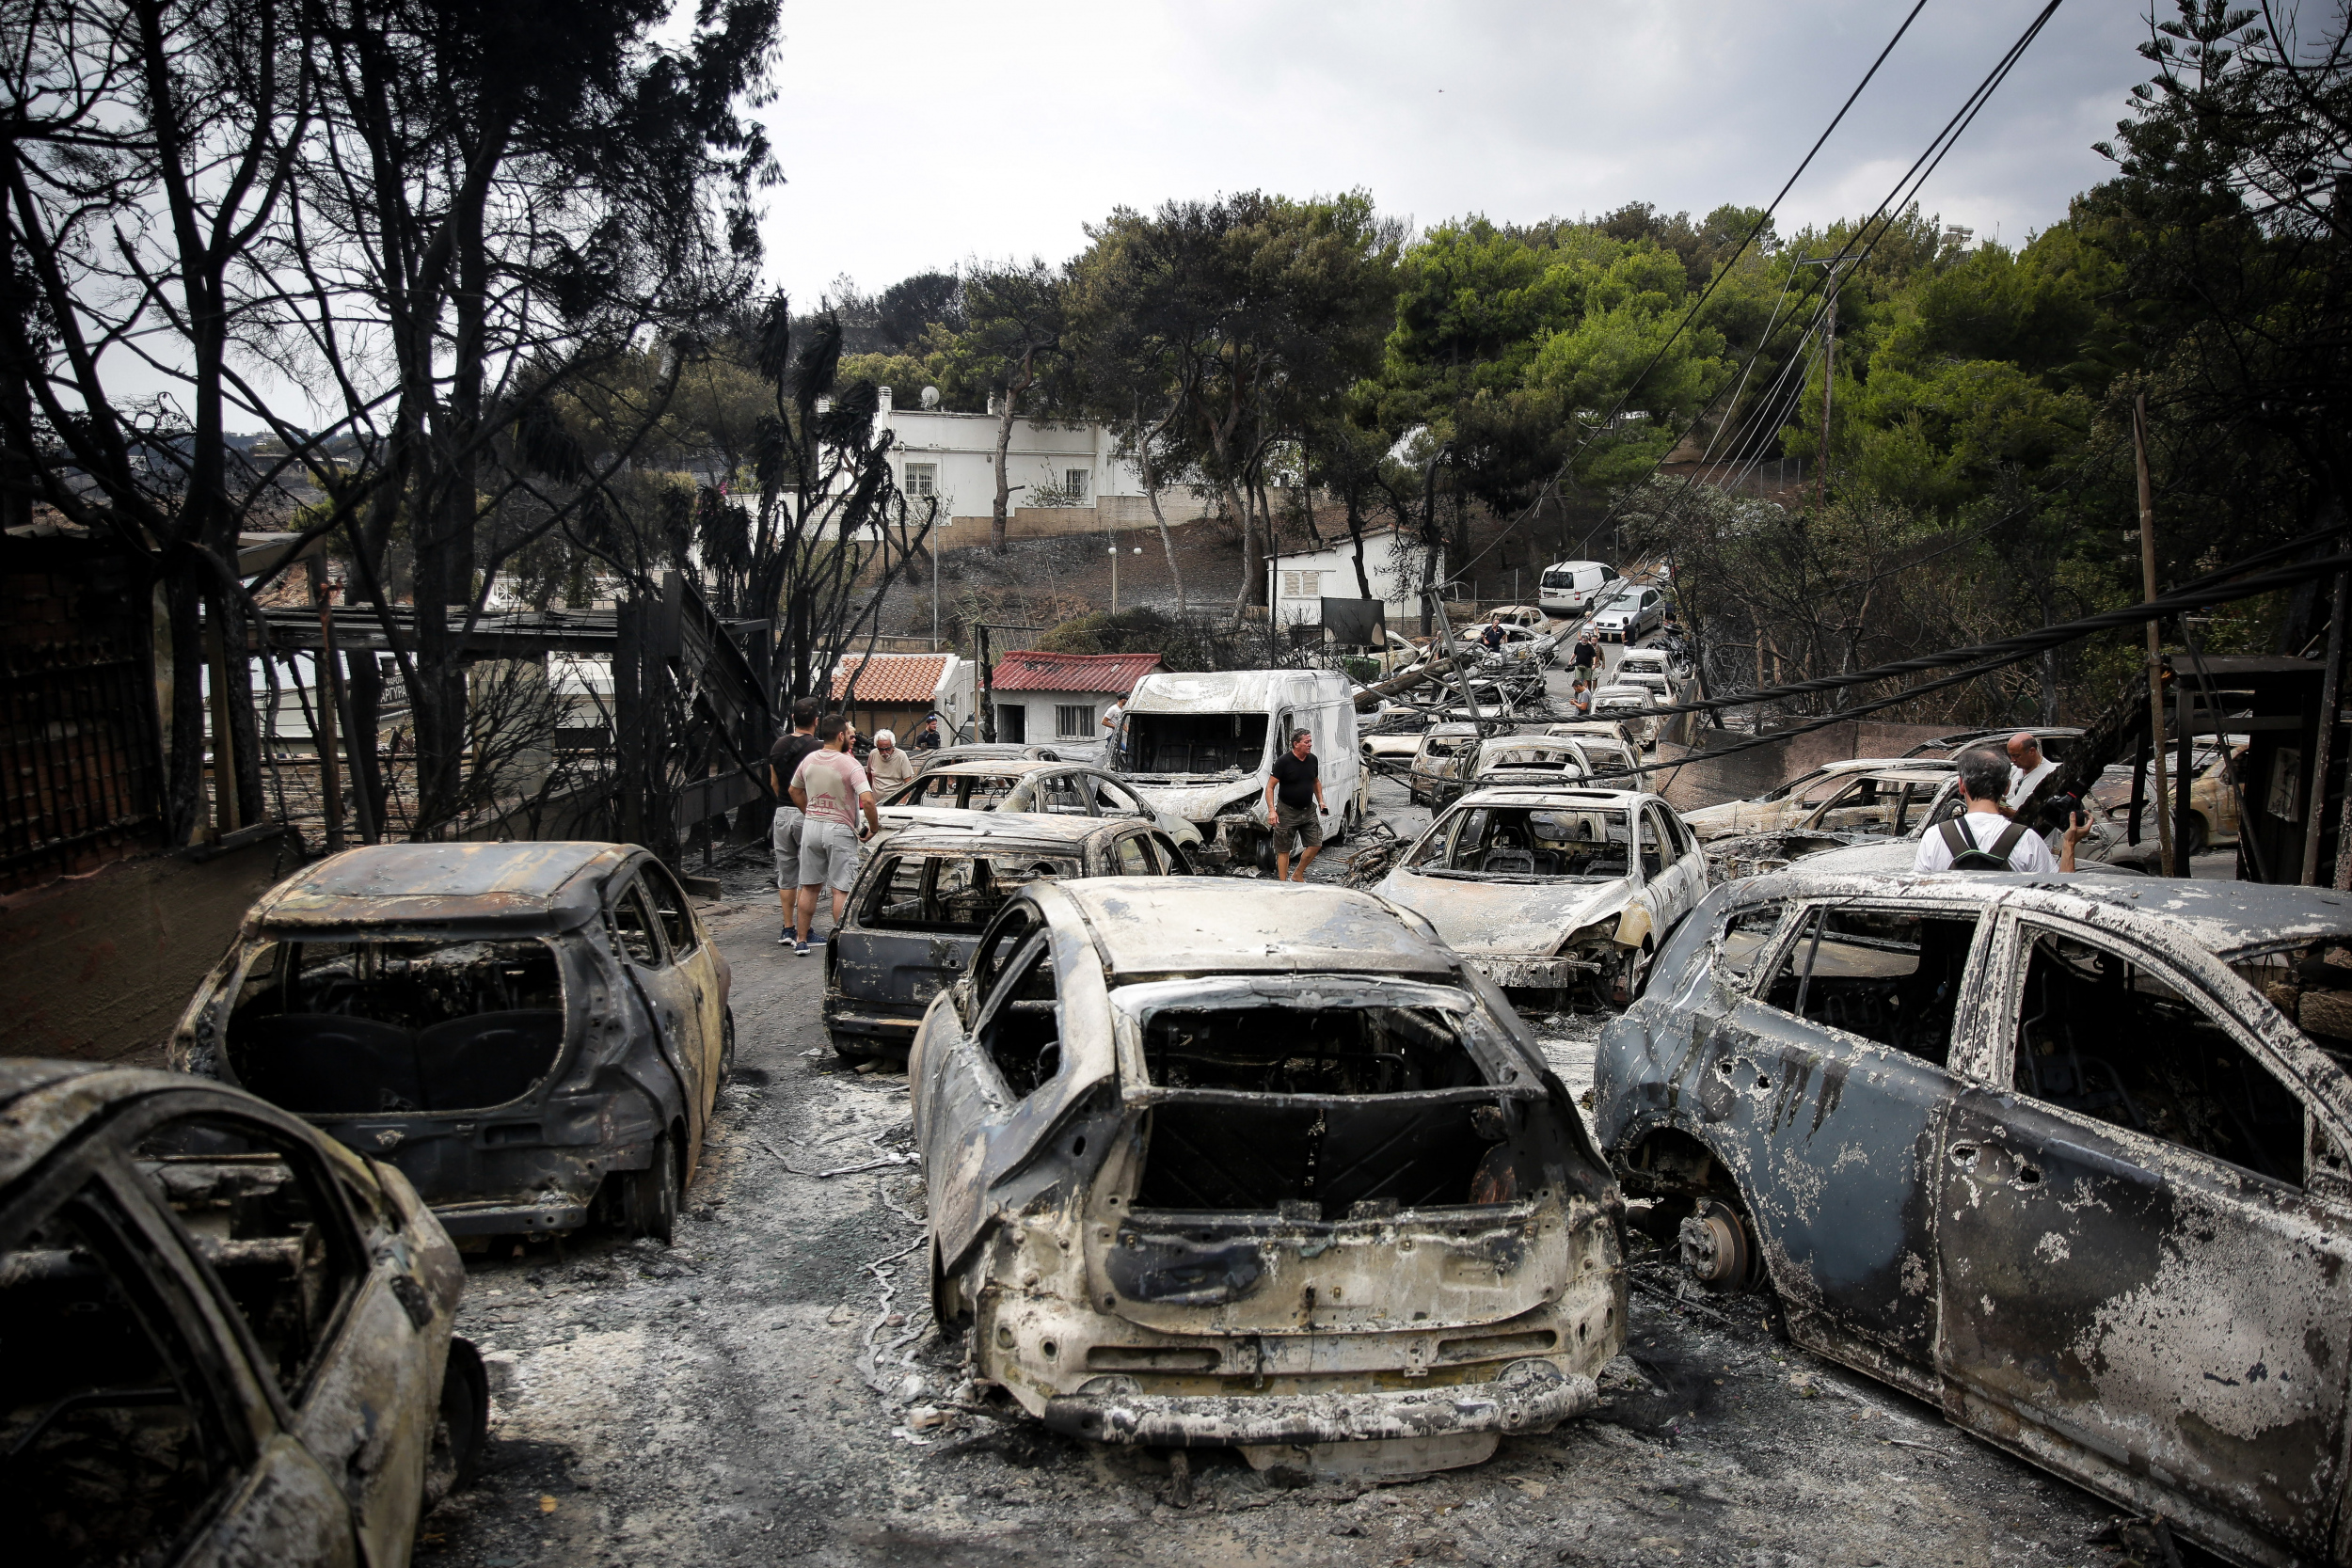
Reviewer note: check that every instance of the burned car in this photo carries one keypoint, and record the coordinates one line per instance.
(924, 897)
(1834, 797)
(530, 1032)
(1529, 759)
(229, 1337)
(1553, 891)
(2067, 1158)
(1263, 1167)
(1059, 788)
(1438, 760)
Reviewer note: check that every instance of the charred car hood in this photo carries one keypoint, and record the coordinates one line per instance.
(1505, 916)
(1195, 796)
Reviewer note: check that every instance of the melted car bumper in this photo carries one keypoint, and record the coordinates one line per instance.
(1510, 1405)
(510, 1219)
(1516, 974)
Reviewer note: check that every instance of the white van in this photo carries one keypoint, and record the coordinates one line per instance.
(1570, 587)
(1199, 746)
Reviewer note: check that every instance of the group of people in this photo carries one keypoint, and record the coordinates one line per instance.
(1991, 835)
(823, 790)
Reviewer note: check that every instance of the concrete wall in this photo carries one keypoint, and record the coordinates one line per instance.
(1694, 779)
(99, 968)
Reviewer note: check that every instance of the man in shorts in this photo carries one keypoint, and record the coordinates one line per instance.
(1294, 807)
(832, 789)
(784, 832)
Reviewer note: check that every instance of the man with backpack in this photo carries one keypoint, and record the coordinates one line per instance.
(1983, 838)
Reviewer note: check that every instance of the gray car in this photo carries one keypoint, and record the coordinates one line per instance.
(2069, 1160)
(924, 897)
(229, 1337)
(530, 1032)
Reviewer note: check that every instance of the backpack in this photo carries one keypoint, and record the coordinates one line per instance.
(1995, 857)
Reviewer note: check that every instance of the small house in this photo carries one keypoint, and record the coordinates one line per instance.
(1396, 563)
(1042, 698)
(897, 691)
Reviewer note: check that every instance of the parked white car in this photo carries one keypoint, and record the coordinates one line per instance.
(1552, 889)
(1627, 615)
(1569, 587)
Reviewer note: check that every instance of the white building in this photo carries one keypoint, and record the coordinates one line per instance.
(1040, 698)
(1396, 563)
(1069, 467)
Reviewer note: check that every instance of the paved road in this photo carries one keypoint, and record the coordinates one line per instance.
(757, 1393)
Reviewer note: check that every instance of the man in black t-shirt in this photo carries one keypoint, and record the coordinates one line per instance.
(1298, 811)
(927, 738)
(784, 832)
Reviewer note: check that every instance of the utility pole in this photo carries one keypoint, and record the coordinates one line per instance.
(2330, 697)
(323, 670)
(1828, 371)
(2155, 646)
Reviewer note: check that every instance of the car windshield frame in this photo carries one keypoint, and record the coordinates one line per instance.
(1442, 833)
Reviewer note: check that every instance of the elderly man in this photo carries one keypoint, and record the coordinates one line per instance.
(1298, 813)
(2027, 767)
(1985, 829)
(889, 766)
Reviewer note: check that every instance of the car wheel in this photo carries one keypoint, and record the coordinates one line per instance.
(650, 1196)
(2198, 834)
(1718, 1251)
(726, 1046)
(461, 1427)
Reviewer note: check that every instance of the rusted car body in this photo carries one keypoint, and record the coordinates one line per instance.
(2067, 1158)
(1439, 760)
(1553, 891)
(1264, 1167)
(1527, 759)
(525, 1030)
(229, 1337)
(1826, 799)
(1056, 788)
(926, 894)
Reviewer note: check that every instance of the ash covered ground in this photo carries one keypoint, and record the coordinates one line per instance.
(771, 1389)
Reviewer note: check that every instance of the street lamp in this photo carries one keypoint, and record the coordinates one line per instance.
(1114, 555)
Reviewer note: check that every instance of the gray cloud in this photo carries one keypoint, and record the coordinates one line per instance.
(916, 134)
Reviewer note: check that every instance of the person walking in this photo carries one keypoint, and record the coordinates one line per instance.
(927, 738)
(890, 766)
(1587, 655)
(1983, 838)
(784, 830)
(832, 789)
(1295, 808)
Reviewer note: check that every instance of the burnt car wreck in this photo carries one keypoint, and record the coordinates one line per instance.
(2067, 1160)
(229, 1339)
(529, 1032)
(1264, 1168)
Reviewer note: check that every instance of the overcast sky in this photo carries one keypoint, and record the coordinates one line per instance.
(917, 134)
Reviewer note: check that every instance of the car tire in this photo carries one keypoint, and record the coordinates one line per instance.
(726, 1046)
(461, 1427)
(649, 1197)
(2198, 835)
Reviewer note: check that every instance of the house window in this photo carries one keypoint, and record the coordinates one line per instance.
(1073, 720)
(1075, 485)
(1302, 585)
(922, 478)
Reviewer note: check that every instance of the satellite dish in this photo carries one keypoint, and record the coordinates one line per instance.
(930, 397)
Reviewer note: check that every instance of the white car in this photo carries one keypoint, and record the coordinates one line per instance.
(1569, 587)
(1528, 759)
(1553, 889)
(1632, 706)
(1649, 667)
(1634, 609)
(1606, 747)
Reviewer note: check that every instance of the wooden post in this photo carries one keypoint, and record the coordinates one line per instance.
(2330, 694)
(2182, 815)
(329, 692)
(225, 818)
(2155, 645)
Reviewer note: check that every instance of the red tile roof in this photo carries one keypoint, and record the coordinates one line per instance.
(1027, 670)
(892, 677)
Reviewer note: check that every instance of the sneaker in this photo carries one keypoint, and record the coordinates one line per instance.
(783, 938)
(799, 950)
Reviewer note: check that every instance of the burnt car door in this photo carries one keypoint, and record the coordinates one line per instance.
(892, 949)
(668, 995)
(1825, 1092)
(1674, 873)
(976, 1075)
(136, 1431)
(696, 963)
(2139, 1289)
(336, 1329)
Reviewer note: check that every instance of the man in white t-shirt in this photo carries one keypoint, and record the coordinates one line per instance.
(2027, 767)
(831, 788)
(1983, 778)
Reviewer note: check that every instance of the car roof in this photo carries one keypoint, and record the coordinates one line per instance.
(1454, 726)
(383, 884)
(42, 1102)
(1147, 927)
(1552, 795)
(994, 831)
(2222, 918)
